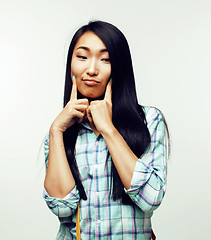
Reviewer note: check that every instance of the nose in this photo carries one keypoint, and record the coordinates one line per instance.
(92, 68)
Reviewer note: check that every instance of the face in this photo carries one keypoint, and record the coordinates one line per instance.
(91, 65)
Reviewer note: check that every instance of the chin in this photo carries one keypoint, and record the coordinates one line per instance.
(90, 96)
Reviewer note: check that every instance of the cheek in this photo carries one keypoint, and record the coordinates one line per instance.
(106, 70)
(105, 76)
(76, 67)
(109, 71)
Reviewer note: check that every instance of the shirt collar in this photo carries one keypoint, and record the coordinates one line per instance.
(86, 125)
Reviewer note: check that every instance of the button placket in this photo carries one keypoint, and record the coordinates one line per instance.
(96, 146)
(97, 193)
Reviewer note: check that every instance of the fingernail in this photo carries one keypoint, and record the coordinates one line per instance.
(110, 79)
(73, 77)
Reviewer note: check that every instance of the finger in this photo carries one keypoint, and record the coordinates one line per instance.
(80, 107)
(89, 116)
(78, 114)
(83, 101)
(108, 92)
(73, 94)
(82, 118)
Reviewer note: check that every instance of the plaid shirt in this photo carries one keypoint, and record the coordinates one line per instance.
(100, 216)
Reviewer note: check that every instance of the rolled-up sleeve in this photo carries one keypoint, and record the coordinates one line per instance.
(66, 206)
(148, 184)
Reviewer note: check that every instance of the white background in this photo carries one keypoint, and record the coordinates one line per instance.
(170, 42)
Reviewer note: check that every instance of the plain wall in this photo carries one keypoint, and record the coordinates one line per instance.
(171, 52)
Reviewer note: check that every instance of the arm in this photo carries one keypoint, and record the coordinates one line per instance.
(59, 180)
(101, 116)
(120, 153)
(62, 207)
(148, 184)
(60, 191)
(144, 178)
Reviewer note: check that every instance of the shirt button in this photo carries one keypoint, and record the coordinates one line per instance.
(97, 143)
(95, 166)
(98, 222)
(98, 194)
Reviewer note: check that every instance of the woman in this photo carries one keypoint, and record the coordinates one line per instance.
(104, 153)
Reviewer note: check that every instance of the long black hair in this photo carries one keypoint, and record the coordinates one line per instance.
(127, 115)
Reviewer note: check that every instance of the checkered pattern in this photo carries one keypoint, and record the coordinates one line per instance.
(100, 216)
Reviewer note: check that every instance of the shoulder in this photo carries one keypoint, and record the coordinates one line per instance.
(152, 113)
(46, 140)
(154, 118)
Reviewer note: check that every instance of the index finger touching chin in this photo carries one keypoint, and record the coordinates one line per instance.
(73, 94)
(108, 92)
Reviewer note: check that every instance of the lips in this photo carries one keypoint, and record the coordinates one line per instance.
(90, 82)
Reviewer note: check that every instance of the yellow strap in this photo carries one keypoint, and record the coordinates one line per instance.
(78, 233)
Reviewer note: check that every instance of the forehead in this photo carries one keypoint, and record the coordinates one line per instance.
(91, 41)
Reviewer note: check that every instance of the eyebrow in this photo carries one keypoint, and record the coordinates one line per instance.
(88, 49)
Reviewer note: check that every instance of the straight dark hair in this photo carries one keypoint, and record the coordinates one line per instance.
(127, 115)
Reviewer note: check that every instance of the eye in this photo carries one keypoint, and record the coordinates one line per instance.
(81, 57)
(106, 60)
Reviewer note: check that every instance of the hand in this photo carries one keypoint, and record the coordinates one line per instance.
(100, 111)
(73, 112)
